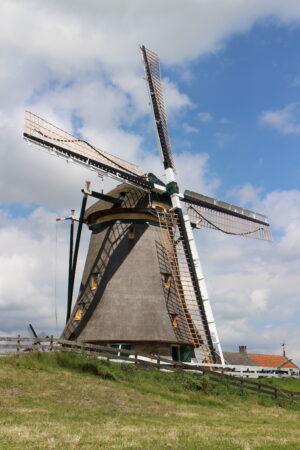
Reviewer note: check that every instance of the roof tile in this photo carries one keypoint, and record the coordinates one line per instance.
(271, 360)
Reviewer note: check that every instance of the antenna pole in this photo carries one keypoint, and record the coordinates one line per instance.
(70, 264)
(76, 249)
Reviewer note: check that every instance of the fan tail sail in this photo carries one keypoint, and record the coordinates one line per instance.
(207, 212)
(154, 81)
(185, 283)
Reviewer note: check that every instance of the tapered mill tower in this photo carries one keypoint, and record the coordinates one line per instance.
(143, 286)
(128, 293)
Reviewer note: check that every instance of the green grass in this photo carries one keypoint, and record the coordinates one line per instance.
(65, 401)
(291, 384)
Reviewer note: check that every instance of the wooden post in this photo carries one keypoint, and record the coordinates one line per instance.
(51, 343)
(18, 345)
(136, 358)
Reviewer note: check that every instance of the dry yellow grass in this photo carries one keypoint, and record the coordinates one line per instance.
(43, 406)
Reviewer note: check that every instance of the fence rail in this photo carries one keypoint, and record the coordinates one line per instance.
(263, 388)
(21, 345)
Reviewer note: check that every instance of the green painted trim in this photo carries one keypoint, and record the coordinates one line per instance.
(186, 353)
(153, 179)
(172, 188)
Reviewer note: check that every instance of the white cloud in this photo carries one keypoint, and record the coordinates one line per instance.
(278, 201)
(247, 195)
(175, 100)
(189, 129)
(193, 171)
(66, 57)
(254, 284)
(34, 264)
(205, 117)
(224, 121)
(285, 120)
(223, 139)
(259, 299)
(296, 81)
(71, 35)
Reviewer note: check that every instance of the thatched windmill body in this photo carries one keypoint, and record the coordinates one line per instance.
(142, 285)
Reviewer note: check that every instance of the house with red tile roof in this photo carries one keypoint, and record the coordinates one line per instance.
(275, 361)
(243, 358)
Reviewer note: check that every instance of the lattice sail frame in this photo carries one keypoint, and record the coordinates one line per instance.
(152, 63)
(204, 217)
(41, 129)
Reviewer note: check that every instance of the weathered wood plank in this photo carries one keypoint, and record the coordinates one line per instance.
(26, 339)
(24, 346)
(273, 394)
(255, 383)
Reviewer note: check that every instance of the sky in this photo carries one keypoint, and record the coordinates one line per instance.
(231, 71)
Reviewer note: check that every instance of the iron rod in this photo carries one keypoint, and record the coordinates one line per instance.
(69, 305)
(75, 256)
(107, 198)
(32, 330)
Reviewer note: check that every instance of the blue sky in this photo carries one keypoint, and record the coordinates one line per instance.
(232, 86)
(253, 73)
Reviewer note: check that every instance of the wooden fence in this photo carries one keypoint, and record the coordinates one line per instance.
(260, 388)
(21, 345)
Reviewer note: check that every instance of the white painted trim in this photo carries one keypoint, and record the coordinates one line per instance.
(170, 175)
(203, 289)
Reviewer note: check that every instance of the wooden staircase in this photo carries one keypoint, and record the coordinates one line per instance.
(172, 240)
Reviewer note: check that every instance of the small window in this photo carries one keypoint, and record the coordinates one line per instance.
(120, 347)
(131, 234)
(94, 281)
(78, 314)
(175, 352)
(174, 320)
(167, 280)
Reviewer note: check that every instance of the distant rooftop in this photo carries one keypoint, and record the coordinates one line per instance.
(243, 358)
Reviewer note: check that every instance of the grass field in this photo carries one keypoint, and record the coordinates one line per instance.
(63, 401)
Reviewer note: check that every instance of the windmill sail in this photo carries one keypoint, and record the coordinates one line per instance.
(196, 314)
(210, 213)
(61, 143)
(142, 285)
(153, 77)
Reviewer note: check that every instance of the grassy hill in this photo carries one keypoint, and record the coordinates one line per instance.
(64, 401)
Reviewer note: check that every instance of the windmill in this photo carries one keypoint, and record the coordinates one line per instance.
(142, 285)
